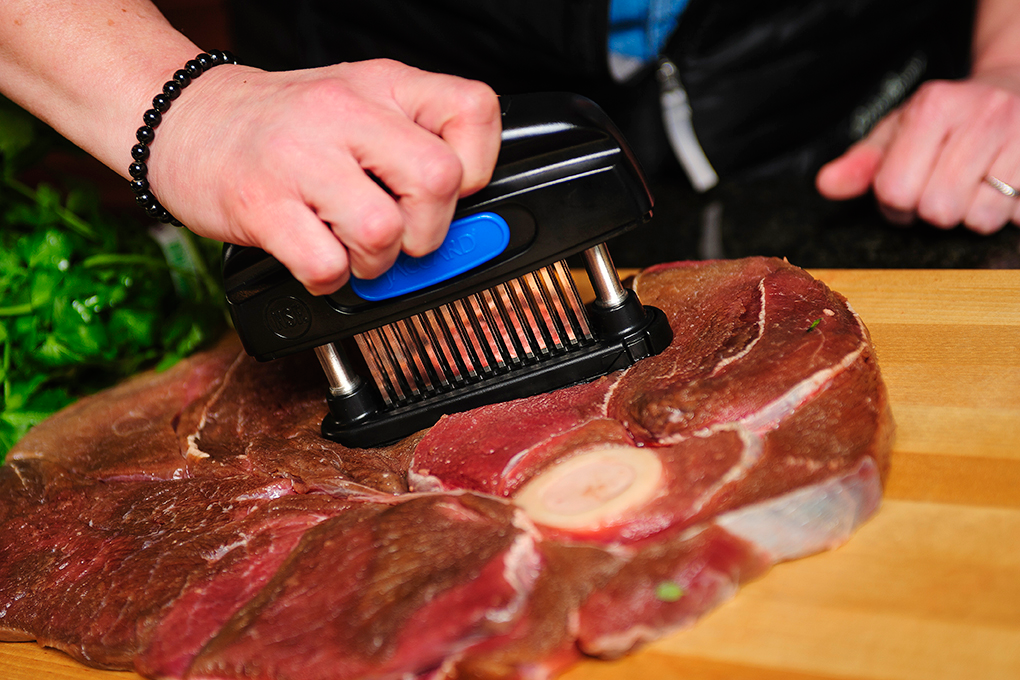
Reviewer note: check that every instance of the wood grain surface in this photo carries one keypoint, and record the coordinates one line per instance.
(929, 589)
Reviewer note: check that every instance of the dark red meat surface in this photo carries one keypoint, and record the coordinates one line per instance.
(193, 524)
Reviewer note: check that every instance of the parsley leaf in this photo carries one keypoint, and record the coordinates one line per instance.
(668, 591)
(86, 299)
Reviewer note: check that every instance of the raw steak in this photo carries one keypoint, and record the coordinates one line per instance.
(194, 525)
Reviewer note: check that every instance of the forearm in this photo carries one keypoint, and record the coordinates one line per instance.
(89, 68)
(273, 160)
(996, 46)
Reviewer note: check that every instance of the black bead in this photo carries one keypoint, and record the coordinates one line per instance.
(154, 209)
(172, 89)
(152, 118)
(161, 103)
(139, 152)
(145, 134)
(139, 185)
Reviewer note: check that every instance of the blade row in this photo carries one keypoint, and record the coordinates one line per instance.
(513, 324)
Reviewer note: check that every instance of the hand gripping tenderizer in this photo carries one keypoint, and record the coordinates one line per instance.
(493, 314)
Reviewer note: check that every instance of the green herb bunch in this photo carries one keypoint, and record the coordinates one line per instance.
(86, 299)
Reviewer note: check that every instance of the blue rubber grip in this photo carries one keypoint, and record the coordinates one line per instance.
(470, 241)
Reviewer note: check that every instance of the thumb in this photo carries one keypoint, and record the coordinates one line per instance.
(851, 174)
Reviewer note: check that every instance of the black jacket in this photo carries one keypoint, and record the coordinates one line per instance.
(773, 86)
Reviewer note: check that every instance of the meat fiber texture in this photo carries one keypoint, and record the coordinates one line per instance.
(193, 524)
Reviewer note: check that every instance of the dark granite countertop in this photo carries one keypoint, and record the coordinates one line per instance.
(778, 216)
(786, 217)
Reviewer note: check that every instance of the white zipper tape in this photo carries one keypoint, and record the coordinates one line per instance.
(676, 117)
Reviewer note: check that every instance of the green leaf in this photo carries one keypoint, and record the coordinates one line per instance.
(47, 401)
(14, 425)
(134, 327)
(120, 259)
(54, 353)
(85, 299)
(52, 251)
(44, 287)
(16, 310)
(9, 262)
(87, 341)
(9, 435)
(17, 130)
(19, 393)
(668, 591)
(81, 201)
(192, 340)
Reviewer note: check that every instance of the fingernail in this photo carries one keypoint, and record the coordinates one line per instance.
(900, 217)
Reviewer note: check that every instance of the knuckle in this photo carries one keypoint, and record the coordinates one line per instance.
(383, 65)
(323, 276)
(934, 92)
(996, 108)
(323, 99)
(477, 101)
(1012, 108)
(891, 191)
(378, 228)
(931, 101)
(375, 72)
(940, 212)
(999, 102)
(441, 175)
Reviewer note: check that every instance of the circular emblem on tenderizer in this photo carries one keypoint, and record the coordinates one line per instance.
(288, 317)
(470, 241)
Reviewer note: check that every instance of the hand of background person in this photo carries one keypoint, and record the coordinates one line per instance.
(278, 160)
(930, 157)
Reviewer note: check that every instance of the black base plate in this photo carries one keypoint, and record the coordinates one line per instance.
(578, 366)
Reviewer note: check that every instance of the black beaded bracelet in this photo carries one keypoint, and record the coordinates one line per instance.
(161, 104)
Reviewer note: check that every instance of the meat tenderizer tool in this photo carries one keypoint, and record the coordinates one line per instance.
(493, 314)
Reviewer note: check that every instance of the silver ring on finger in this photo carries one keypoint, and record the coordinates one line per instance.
(1002, 187)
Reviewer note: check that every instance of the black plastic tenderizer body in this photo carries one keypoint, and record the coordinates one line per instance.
(493, 314)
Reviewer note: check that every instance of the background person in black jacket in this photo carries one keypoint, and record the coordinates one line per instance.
(275, 158)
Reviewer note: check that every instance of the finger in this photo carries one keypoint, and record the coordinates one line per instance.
(420, 169)
(464, 113)
(363, 216)
(991, 209)
(306, 247)
(925, 123)
(970, 149)
(852, 174)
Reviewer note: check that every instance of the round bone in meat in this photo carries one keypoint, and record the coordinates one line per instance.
(593, 489)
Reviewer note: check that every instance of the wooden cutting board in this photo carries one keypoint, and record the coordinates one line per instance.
(929, 589)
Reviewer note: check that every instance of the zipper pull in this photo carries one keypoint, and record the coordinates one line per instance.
(676, 116)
